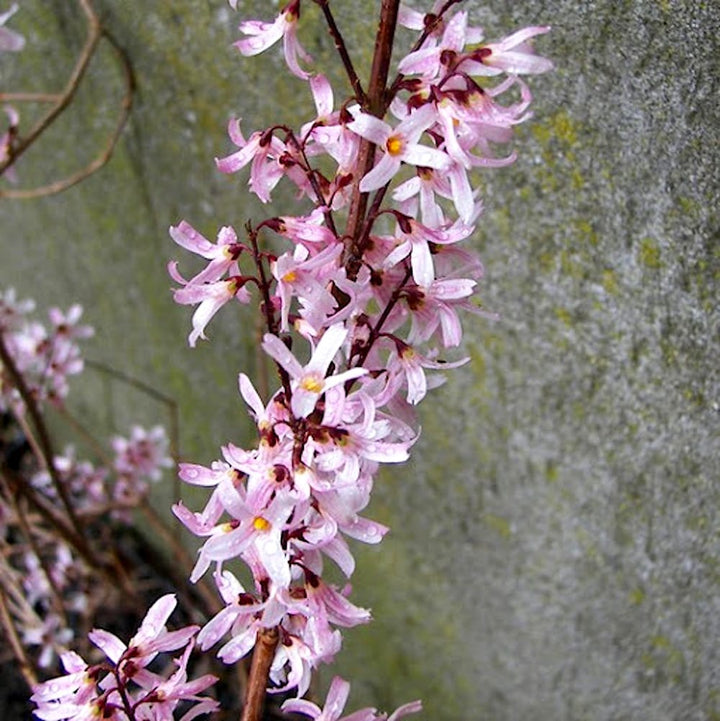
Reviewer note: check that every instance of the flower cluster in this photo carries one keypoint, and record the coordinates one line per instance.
(371, 284)
(120, 485)
(45, 356)
(123, 687)
(51, 587)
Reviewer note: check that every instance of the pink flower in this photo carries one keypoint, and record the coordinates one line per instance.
(297, 274)
(72, 696)
(335, 703)
(164, 697)
(222, 255)
(264, 152)
(435, 306)
(514, 54)
(251, 532)
(262, 35)
(9, 39)
(409, 365)
(428, 60)
(309, 381)
(210, 297)
(414, 240)
(151, 638)
(399, 145)
(144, 454)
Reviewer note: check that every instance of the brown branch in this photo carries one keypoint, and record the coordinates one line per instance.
(57, 599)
(43, 437)
(263, 654)
(101, 159)
(342, 51)
(94, 32)
(26, 668)
(30, 97)
(376, 105)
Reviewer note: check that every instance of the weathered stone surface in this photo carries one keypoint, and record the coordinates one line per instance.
(555, 550)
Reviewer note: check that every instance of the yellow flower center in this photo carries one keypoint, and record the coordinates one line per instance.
(394, 145)
(290, 276)
(260, 524)
(314, 384)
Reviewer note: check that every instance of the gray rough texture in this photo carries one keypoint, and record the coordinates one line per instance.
(555, 551)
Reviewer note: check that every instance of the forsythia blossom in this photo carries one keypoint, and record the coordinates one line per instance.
(123, 687)
(361, 299)
(374, 328)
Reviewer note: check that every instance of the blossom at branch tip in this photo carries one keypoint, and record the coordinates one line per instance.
(398, 145)
(222, 255)
(261, 35)
(415, 20)
(72, 696)
(406, 366)
(10, 41)
(414, 239)
(309, 382)
(105, 690)
(429, 60)
(210, 297)
(151, 638)
(266, 154)
(514, 54)
(434, 307)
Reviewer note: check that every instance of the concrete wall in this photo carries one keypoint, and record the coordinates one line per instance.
(555, 551)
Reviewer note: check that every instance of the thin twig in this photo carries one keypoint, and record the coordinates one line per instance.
(102, 158)
(159, 396)
(94, 33)
(56, 594)
(181, 555)
(29, 97)
(26, 668)
(43, 437)
(341, 47)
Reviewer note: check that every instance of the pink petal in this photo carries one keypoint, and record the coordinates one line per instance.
(381, 174)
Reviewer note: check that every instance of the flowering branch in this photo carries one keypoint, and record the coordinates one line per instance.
(356, 324)
(373, 309)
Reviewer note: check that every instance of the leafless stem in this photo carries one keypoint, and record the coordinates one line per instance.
(94, 33)
(149, 390)
(376, 105)
(26, 668)
(263, 654)
(342, 51)
(61, 101)
(181, 556)
(43, 437)
(27, 532)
